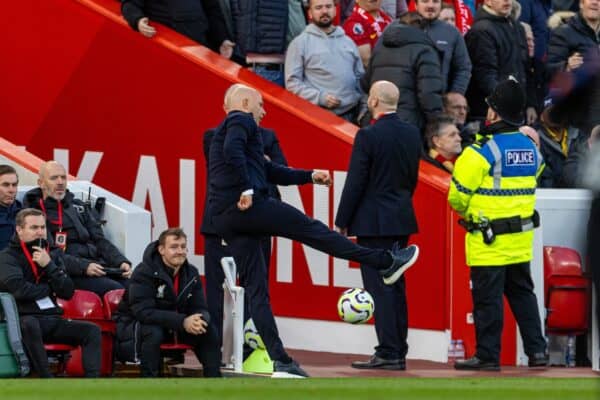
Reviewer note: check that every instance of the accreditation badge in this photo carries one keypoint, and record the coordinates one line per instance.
(60, 239)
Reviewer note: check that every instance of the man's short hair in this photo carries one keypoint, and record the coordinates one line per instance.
(412, 18)
(435, 125)
(27, 212)
(177, 232)
(7, 169)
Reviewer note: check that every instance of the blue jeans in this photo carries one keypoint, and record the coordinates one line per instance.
(275, 76)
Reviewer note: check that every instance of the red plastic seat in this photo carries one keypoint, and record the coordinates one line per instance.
(83, 305)
(567, 291)
(111, 301)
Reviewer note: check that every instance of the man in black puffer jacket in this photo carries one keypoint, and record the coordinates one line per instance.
(575, 48)
(164, 301)
(200, 20)
(35, 277)
(498, 49)
(409, 59)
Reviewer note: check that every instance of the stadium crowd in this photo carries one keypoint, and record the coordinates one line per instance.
(446, 61)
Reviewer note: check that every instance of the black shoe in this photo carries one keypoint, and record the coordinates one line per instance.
(402, 259)
(538, 360)
(475, 364)
(398, 364)
(288, 370)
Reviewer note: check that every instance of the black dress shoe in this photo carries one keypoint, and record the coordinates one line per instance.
(375, 362)
(538, 360)
(475, 364)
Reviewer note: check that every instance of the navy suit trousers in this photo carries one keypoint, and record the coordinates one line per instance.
(391, 311)
(243, 231)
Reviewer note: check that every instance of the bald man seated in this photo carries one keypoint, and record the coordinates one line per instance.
(92, 261)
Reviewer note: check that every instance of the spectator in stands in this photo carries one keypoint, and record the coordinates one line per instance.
(35, 276)
(164, 301)
(365, 25)
(535, 69)
(574, 48)
(393, 8)
(200, 20)
(262, 31)
(443, 141)
(74, 228)
(9, 205)
(322, 64)
(456, 64)
(455, 106)
(536, 14)
(498, 49)
(557, 140)
(573, 170)
(409, 59)
(448, 14)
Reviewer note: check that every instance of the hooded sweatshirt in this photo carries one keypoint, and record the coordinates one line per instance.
(317, 64)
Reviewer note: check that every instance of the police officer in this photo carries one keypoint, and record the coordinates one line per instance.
(493, 189)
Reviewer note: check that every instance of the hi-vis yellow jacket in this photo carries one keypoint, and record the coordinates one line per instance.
(497, 179)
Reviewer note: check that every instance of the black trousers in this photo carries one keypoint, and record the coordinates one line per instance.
(38, 330)
(489, 284)
(205, 348)
(594, 250)
(98, 284)
(391, 311)
(214, 251)
(243, 231)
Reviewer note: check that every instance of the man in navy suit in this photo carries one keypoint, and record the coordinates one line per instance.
(242, 212)
(376, 206)
(214, 248)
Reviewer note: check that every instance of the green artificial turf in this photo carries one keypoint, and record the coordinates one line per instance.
(311, 389)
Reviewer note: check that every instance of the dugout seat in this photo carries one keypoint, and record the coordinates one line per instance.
(87, 306)
(567, 292)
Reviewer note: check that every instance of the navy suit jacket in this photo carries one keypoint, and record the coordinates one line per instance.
(272, 150)
(382, 176)
(237, 163)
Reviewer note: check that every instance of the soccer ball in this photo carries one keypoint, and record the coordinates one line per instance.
(251, 336)
(356, 306)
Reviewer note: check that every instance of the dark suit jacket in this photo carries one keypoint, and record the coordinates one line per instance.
(382, 176)
(272, 150)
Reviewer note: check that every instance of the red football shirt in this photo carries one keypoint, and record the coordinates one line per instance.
(363, 28)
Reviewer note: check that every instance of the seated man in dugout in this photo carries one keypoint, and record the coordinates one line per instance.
(35, 276)
(443, 142)
(92, 261)
(163, 303)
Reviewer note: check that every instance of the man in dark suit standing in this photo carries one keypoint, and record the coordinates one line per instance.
(376, 206)
(242, 212)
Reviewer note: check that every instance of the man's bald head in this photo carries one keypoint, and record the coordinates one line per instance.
(52, 179)
(243, 98)
(383, 97)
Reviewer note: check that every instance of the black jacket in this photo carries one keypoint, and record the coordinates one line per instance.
(271, 149)
(555, 160)
(237, 163)
(200, 20)
(85, 240)
(583, 105)
(382, 177)
(17, 278)
(498, 49)
(151, 298)
(410, 60)
(260, 26)
(7, 222)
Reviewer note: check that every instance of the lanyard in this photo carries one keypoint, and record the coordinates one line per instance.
(59, 221)
(31, 263)
(176, 284)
